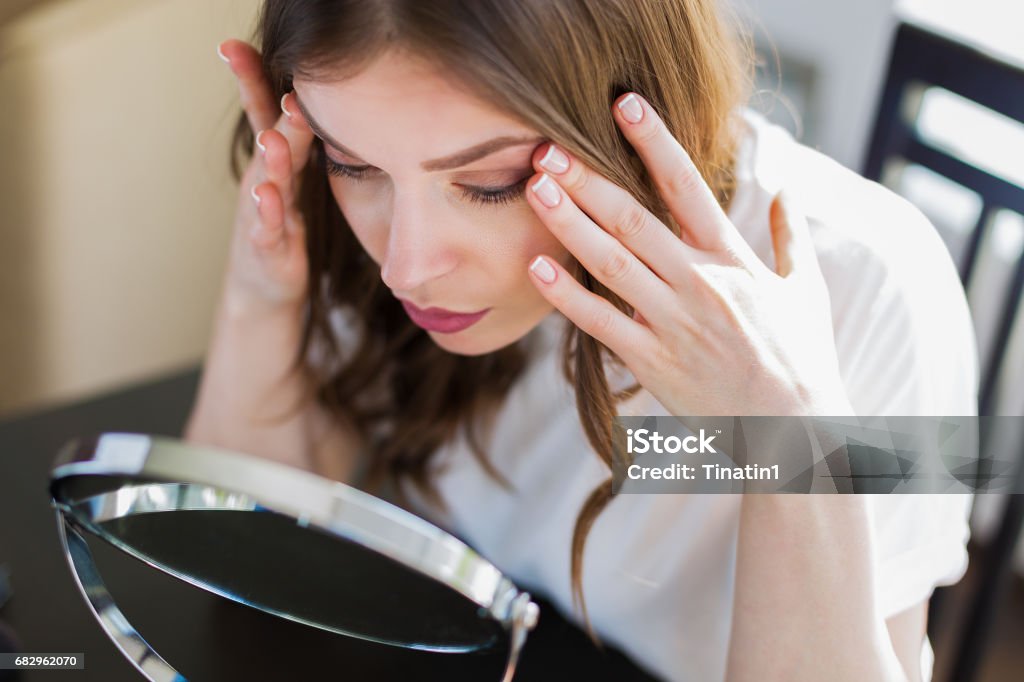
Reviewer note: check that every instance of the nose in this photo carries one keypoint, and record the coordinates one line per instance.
(417, 252)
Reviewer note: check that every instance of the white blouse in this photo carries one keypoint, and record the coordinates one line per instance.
(659, 569)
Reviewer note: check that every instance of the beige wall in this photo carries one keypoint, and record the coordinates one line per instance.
(115, 198)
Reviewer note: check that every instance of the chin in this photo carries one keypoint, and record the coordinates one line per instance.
(464, 343)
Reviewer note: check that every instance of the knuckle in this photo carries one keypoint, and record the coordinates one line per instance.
(557, 222)
(616, 265)
(631, 221)
(578, 179)
(702, 279)
(698, 283)
(602, 322)
(649, 131)
(664, 359)
(683, 179)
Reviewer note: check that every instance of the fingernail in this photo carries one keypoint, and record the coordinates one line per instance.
(255, 197)
(547, 191)
(283, 107)
(263, 149)
(542, 268)
(631, 109)
(555, 160)
(222, 55)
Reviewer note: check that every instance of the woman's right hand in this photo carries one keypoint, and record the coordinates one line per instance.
(268, 270)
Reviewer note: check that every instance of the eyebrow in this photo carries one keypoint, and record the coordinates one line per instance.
(450, 162)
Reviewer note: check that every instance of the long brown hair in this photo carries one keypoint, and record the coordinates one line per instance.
(557, 66)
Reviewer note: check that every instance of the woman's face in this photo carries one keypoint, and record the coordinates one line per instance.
(431, 180)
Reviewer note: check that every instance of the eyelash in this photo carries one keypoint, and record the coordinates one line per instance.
(502, 195)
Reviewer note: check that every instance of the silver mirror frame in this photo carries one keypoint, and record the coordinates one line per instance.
(203, 478)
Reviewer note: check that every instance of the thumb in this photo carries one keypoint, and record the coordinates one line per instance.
(791, 237)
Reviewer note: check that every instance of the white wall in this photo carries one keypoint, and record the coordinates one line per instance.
(847, 45)
(115, 197)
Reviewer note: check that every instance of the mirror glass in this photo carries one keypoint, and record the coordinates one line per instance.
(227, 544)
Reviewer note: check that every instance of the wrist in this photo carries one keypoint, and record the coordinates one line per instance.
(829, 403)
(817, 401)
(240, 307)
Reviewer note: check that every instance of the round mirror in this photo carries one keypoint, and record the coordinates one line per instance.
(280, 540)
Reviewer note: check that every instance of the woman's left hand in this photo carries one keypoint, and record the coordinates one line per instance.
(715, 331)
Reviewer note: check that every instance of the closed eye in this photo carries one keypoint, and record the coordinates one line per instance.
(346, 171)
(481, 195)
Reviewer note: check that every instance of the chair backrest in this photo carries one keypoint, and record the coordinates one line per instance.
(921, 58)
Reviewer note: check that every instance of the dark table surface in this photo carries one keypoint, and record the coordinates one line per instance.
(205, 637)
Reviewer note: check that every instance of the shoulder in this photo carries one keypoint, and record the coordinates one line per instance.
(900, 316)
(851, 218)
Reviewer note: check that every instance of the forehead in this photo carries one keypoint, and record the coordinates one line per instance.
(402, 107)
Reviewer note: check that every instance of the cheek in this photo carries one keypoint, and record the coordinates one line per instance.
(537, 240)
(508, 238)
(497, 242)
(526, 238)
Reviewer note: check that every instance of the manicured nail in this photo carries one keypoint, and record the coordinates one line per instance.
(263, 148)
(222, 55)
(547, 191)
(542, 268)
(631, 109)
(255, 197)
(555, 160)
(284, 107)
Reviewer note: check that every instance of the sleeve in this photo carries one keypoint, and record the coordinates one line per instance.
(917, 356)
(920, 543)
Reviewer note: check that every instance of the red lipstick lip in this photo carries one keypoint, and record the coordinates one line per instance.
(440, 319)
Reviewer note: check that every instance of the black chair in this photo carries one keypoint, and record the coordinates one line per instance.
(922, 58)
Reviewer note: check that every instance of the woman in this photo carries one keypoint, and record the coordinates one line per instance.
(577, 184)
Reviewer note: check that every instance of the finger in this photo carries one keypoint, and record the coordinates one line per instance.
(620, 214)
(277, 162)
(593, 314)
(267, 233)
(600, 253)
(255, 94)
(791, 237)
(687, 196)
(292, 125)
(284, 150)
